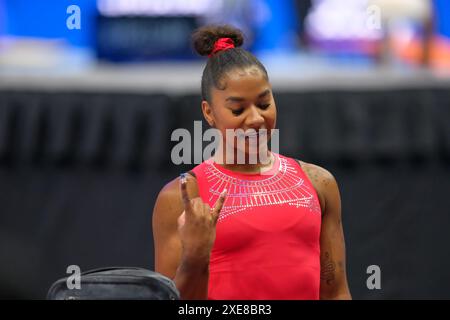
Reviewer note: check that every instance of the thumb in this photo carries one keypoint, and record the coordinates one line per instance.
(218, 205)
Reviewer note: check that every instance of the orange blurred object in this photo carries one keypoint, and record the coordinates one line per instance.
(412, 51)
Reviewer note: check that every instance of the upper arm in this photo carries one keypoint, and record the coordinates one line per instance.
(333, 278)
(167, 243)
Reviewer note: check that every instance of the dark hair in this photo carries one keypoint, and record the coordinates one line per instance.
(221, 62)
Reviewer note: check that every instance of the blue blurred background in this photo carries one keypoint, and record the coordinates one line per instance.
(145, 30)
(362, 88)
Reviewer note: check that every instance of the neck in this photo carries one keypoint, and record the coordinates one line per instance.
(250, 164)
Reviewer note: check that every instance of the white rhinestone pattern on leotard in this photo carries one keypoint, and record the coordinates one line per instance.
(286, 186)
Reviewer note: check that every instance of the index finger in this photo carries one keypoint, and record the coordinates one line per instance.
(184, 193)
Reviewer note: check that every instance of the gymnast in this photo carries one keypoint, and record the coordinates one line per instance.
(268, 229)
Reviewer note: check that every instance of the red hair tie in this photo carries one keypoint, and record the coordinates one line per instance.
(222, 44)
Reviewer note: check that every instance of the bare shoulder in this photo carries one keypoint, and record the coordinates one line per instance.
(323, 181)
(317, 174)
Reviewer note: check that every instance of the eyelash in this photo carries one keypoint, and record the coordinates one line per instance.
(261, 106)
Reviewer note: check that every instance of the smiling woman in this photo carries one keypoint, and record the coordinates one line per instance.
(263, 230)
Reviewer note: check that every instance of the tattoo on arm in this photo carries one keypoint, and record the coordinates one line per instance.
(327, 273)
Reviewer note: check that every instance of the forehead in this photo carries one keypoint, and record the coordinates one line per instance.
(242, 83)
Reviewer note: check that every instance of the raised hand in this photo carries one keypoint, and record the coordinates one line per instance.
(197, 223)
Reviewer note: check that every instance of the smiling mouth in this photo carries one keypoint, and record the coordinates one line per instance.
(255, 134)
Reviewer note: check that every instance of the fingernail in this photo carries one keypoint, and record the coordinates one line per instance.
(183, 178)
(224, 191)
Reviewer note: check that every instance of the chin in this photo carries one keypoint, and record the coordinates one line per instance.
(252, 154)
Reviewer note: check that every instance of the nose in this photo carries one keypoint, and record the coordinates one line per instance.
(254, 119)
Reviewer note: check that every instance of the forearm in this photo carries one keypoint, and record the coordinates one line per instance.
(192, 279)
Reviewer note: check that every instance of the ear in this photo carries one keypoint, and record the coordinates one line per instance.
(208, 113)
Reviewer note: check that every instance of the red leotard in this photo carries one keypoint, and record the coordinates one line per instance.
(267, 236)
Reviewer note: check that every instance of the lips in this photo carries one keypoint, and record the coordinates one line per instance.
(253, 134)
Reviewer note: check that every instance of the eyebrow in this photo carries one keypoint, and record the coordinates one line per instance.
(239, 99)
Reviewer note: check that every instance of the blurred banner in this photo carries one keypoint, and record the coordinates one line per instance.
(144, 38)
(415, 31)
(47, 19)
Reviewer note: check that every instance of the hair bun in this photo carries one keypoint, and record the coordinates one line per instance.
(204, 38)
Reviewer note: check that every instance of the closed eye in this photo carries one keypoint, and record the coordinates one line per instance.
(238, 111)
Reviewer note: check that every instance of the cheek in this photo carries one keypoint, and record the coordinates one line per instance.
(228, 121)
(272, 118)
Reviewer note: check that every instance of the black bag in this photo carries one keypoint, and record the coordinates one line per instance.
(117, 283)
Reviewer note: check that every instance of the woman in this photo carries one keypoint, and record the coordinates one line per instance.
(253, 230)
